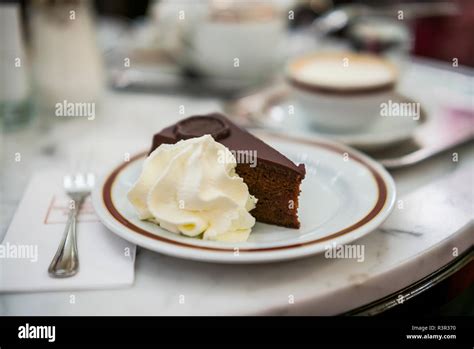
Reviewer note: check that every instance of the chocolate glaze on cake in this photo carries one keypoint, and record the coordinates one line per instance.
(227, 133)
(274, 181)
(200, 125)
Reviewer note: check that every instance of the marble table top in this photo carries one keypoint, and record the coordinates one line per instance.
(431, 225)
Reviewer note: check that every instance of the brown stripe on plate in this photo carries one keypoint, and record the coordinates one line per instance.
(341, 91)
(382, 197)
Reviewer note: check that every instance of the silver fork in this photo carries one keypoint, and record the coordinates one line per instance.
(65, 262)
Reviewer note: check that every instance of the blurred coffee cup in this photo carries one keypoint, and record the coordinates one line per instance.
(341, 92)
(226, 39)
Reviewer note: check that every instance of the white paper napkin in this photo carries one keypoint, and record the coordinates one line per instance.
(106, 260)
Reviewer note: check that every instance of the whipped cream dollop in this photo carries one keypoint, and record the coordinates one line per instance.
(191, 188)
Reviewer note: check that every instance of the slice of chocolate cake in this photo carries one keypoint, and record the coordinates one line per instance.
(271, 177)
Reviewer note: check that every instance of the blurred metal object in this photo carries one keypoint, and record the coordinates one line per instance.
(65, 262)
(249, 110)
(171, 80)
(339, 18)
(379, 34)
(428, 152)
(343, 16)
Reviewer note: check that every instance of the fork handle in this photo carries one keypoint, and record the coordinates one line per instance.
(65, 262)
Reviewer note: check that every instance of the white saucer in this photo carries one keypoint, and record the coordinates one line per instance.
(383, 132)
(344, 196)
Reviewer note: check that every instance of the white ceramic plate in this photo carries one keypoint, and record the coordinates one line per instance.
(344, 196)
(383, 132)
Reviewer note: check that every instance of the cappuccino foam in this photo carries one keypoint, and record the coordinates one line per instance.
(343, 72)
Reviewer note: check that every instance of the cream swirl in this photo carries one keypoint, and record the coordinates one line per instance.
(192, 188)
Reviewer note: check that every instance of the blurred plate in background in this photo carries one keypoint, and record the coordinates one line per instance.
(270, 109)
